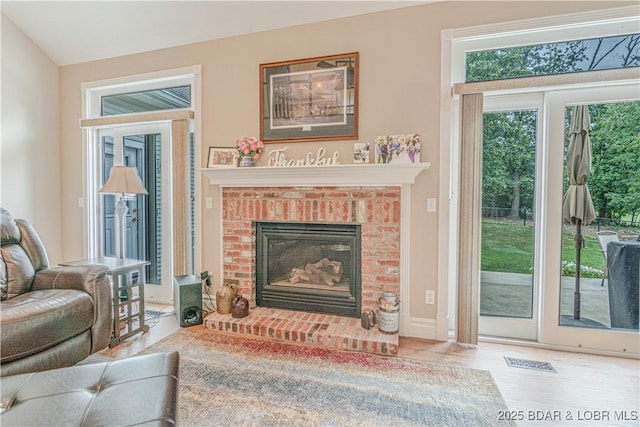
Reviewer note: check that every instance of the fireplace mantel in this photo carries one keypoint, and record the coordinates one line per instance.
(401, 175)
(338, 175)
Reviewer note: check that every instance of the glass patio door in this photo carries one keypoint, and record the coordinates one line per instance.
(148, 224)
(615, 109)
(509, 279)
(134, 153)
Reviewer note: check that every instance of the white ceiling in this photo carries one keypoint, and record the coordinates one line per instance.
(72, 32)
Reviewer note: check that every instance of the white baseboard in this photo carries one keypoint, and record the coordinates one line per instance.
(420, 328)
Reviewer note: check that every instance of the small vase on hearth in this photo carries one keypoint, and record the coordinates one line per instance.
(246, 161)
(240, 307)
(224, 298)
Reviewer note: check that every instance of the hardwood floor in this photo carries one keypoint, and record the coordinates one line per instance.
(159, 327)
(586, 390)
(591, 390)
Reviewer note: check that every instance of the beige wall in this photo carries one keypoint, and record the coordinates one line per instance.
(399, 93)
(30, 144)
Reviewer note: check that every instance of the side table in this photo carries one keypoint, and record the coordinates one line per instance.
(122, 295)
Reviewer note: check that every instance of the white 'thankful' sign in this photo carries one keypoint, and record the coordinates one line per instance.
(279, 159)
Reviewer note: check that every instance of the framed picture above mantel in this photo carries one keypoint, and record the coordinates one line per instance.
(311, 99)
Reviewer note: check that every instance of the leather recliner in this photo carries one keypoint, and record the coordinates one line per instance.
(49, 317)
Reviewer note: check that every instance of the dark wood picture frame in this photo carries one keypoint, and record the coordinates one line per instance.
(311, 99)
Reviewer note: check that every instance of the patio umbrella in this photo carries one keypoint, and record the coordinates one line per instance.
(577, 206)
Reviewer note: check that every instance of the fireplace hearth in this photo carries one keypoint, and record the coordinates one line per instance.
(313, 267)
(376, 197)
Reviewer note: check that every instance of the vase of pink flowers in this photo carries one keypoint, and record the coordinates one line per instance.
(249, 148)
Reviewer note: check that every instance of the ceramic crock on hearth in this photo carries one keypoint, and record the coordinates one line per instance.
(240, 307)
(224, 298)
(389, 313)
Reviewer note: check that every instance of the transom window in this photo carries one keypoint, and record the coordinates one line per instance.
(146, 101)
(601, 53)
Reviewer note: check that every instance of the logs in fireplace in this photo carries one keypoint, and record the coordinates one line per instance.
(309, 267)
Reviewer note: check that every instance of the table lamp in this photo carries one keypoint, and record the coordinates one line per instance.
(125, 182)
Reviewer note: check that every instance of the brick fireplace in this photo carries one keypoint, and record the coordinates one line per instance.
(376, 209)
(375, 197)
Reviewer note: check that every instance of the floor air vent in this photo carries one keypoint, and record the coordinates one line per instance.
(529, 364)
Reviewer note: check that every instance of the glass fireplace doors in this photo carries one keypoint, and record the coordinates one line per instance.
(309, 267)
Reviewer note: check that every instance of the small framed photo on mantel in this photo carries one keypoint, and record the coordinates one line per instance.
(222, 157)
(397, 148)
(361, 152)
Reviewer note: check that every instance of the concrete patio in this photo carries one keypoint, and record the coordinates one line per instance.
(509, 294)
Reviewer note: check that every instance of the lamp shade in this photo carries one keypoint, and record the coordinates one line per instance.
(123, 180)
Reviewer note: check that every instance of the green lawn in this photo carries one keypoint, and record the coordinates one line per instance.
(508, 247)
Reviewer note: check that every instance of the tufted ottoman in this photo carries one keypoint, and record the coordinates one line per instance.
(137, 390)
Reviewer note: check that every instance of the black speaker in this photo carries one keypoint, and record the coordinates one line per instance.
(187, 298)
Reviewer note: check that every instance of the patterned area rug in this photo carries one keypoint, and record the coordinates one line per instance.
(235, 381)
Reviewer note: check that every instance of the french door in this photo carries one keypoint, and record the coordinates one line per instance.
(509, 277)
(148, 224)
(526, 289)
(594, 329)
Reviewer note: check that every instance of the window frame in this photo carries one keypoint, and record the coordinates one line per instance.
(612, 22)
(93, 91)
(91, 109)
(454, 44)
